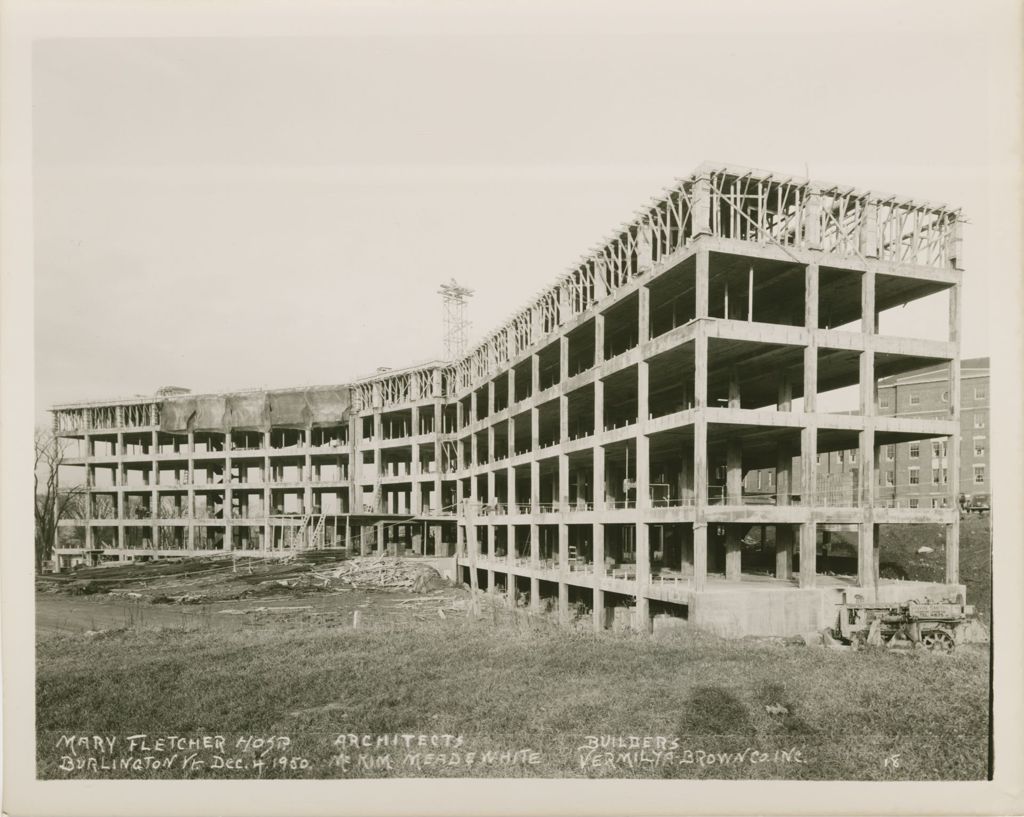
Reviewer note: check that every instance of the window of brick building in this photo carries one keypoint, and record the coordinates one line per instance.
(979, 474)
(915, 399)
(980, 393)
(915, 476)
(979, 446)
(979, 421)
(915, 450)
(914, 502)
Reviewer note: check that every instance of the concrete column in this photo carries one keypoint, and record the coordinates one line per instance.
(783, 551)
(598, 611)
(644, 317)
(563, 483)
(599, 478)
(268, 510)
(643, 558)
(154, 499)
(733, 554)
(700, 209)
(953, 443)
(510, 482)
(598, 338)
(380, 539)
(563, 602)
(534, 429)
(811, 351)
(598, 407)
(534, 374)
(534, 564)
(808, 554)
(534, 487)
(869, 231)
(563, 358)
(643, 472)
(734, 472)
(700, 555)
(563, 419)
(700, 446)
(808, 531)
(643, 621)
(785, 399)
(867, 482)
(734, 494)
(701, 283)
(783, 473)
(563, 549)
(812, 220)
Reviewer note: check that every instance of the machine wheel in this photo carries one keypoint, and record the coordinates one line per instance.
(938, 640)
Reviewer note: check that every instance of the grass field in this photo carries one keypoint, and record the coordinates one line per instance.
(510, 684)
(507, 694)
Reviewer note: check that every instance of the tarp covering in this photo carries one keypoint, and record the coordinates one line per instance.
(329, 406)
(289, 408)
(256, 411)
(177, 414)
(248, 411)
(211, 413)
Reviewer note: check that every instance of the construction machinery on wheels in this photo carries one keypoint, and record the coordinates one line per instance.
(933, 625)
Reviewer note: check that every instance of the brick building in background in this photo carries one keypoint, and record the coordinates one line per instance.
(916, 474)
(913, 475)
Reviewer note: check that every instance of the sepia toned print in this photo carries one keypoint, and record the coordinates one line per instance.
(429, 399)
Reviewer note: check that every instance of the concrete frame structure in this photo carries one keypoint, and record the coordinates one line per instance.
(583, 444)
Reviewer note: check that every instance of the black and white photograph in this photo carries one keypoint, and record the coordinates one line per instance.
(511, 395)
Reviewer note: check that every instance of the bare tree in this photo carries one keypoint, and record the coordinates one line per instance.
(52, 503)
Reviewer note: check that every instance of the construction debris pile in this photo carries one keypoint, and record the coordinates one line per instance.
(224, 578)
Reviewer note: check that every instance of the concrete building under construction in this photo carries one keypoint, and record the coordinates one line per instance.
(590, 453)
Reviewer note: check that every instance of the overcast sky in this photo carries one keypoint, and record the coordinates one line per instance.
(220, 213)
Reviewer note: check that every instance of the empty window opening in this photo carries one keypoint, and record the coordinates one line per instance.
(581, 412)
(620, 399)
(282, 439)
(549, 424)
(396, 424)
(670, 382)
(549, 365)
(523, 380)
(748, 375)
(839, 299)
(910, 307)
(620, 481)
(581, 348)
(621, 327)
(581, 481)
(500, 388)
(207, 442)
(501, 440)
(762, 291)
(481, 396)
(673, 299)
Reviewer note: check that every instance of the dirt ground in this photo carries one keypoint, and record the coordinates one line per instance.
(219, 593)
